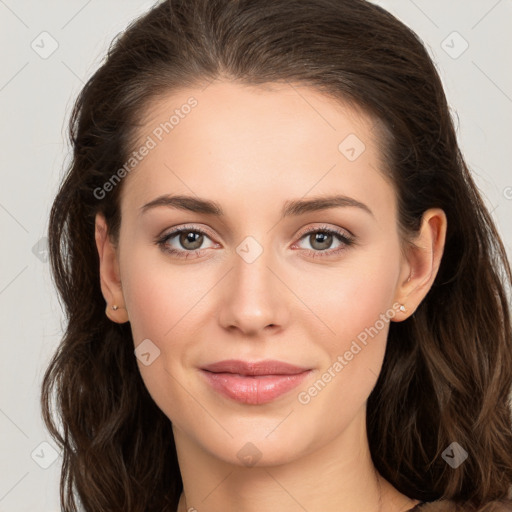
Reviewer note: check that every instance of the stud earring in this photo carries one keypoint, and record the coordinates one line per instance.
(402, 307)
(116, 307)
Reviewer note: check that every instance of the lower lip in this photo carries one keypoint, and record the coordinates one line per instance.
(253, 390)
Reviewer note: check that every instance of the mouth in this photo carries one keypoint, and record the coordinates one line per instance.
(254, 383)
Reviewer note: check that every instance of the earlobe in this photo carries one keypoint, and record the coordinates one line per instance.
(423, 259)
(110, 280)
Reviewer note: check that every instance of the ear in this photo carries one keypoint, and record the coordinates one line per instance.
(421, 262)
(109, 272)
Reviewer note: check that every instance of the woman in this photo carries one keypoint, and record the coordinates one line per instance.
(283, 289)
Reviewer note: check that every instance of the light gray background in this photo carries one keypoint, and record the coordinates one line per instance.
(36, 95)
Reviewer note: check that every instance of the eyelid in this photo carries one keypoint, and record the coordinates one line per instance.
(186, 227)
(324, 227)
(305, 231)
(166, 235)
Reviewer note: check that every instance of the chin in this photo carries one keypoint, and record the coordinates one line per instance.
(255, 450)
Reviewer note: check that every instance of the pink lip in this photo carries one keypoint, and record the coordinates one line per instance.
(253, 383)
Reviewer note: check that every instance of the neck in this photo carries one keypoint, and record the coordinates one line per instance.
(339, 475)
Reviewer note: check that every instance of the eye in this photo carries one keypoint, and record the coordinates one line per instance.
(189, 238)
(321, 238)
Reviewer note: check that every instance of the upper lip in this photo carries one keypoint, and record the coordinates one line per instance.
(267, 367)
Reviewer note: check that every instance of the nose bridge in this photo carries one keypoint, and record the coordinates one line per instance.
(252, 277)
(253, 298)
(252, 262)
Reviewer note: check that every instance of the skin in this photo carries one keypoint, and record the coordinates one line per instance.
(252, 149)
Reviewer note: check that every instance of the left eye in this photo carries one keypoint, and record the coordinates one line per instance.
(322, 239)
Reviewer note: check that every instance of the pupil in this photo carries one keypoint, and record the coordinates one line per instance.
(323, 238)
(191, 238)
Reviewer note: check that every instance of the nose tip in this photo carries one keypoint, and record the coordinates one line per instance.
(252, 296)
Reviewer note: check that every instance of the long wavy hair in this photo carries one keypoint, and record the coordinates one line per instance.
(447, 370)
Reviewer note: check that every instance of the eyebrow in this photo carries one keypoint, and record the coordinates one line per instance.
(291, 208)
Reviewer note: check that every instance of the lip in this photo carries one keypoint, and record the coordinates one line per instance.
(254, 383)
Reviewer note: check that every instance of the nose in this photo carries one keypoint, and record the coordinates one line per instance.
(254, 298)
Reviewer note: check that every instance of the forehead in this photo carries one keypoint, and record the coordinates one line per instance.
(275, 142)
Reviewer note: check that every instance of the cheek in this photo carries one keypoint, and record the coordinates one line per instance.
(161, 296)
(352, 297)
(357, 307)
(164, 305)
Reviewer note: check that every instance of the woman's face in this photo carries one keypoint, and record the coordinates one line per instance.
(315, 288)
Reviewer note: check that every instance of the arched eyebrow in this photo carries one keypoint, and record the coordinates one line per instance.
(294, 207)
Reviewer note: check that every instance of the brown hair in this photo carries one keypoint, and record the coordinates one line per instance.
(447, 371)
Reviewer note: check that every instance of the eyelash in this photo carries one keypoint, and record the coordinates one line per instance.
(340, 235)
